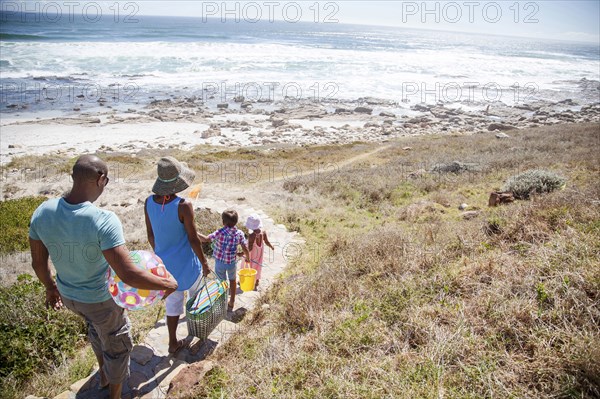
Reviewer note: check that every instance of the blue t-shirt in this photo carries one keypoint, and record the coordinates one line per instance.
(75, 236)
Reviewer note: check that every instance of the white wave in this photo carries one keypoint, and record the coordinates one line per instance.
(380, 73)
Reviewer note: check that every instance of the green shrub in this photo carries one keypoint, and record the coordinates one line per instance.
(533, 181)
(33, 338)
(15, 216)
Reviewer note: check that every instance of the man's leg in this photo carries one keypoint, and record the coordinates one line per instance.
(115, 391)
(97, 348)
(110, 337)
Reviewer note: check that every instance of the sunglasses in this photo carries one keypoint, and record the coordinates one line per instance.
(105, 176)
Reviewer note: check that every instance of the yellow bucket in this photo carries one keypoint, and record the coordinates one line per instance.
(247, 279)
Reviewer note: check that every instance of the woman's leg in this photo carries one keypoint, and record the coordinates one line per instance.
(174, 305)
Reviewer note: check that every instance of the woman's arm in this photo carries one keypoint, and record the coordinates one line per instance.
(203, 238)
(149, 231)
(187, 212)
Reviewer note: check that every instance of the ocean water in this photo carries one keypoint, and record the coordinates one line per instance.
(59, 65)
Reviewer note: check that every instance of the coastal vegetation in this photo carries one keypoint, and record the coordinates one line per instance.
(418, 288)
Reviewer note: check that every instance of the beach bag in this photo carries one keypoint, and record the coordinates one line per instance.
(207, 308)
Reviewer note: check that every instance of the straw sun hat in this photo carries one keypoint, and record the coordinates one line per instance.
(173, 177)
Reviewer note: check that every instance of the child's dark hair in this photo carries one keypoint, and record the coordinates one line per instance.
(230, 218)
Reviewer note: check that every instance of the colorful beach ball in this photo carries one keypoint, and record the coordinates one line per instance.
(132, 298)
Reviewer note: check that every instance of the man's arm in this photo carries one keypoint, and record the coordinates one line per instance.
(39, 262)
(187, 211)
(118, 259)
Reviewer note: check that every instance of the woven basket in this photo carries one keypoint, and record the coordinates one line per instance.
(201, 325)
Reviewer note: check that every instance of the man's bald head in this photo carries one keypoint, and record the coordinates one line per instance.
(89, 167)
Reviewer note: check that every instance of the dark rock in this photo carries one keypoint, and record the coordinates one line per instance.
(223, 106)
(525, 107)
(419, 119)
(421, 107)
(342, 111)
(417, 173)
(500, 126)
(184, 382)
(469, 215)
(363, 110)
(387, 114)
(567, 101)
(372, 100)
(276, 122)
(497, 198)
(455, 167)
(210, 133)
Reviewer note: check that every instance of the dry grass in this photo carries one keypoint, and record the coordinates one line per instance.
(407, 298)
(60, 378)
(410, 300)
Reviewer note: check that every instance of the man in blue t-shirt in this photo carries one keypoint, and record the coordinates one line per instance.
(82, 241)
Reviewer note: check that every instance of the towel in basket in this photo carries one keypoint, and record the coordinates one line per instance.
(207, 308)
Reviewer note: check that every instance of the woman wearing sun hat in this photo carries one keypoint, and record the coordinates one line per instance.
(172, 233)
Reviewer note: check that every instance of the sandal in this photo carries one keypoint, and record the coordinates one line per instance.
(180, 345)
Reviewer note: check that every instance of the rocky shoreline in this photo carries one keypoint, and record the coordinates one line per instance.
(186, 121)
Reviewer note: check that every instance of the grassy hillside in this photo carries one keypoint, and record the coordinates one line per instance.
(399, 294)
(408, 298)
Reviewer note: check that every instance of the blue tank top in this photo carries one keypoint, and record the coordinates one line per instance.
(171, 242)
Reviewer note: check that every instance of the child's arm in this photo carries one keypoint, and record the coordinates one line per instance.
(245, 249)
(186, 210)
(267, 241)
(149, 231)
